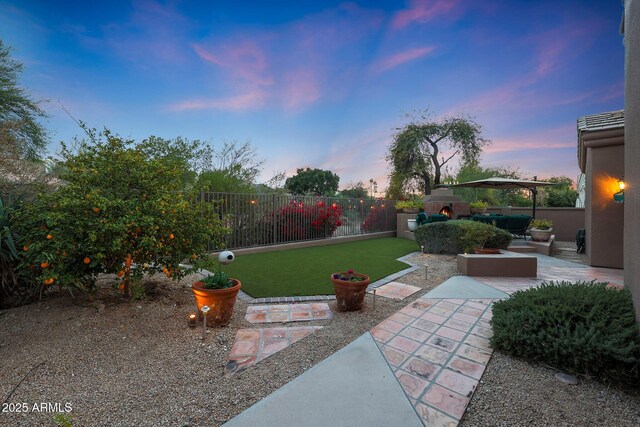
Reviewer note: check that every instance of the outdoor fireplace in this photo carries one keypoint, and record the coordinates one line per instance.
(442, 201)
(446, 211)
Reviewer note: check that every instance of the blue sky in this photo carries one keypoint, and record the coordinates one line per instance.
(325, 84)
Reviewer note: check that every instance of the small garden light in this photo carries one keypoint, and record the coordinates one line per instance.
(205, 309)
(192, 320)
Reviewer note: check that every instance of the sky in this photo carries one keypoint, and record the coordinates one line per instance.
(324, 84)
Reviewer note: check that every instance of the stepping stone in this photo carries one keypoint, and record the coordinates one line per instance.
(288, 313)
(253, 345)
(395, 290)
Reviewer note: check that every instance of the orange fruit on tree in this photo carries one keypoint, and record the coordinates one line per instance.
(120, 273)
(171, 236)
(48, 281)
(96, 210)
(25, 248)
(44, 264)
(49, 237)
(165, 271)
(86, 260)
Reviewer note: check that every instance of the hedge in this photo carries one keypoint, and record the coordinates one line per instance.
(449, 237)
(584, 328)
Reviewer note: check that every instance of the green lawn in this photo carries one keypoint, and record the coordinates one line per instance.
(306, 271)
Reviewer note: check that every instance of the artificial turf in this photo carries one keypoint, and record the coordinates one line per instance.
(306, 271)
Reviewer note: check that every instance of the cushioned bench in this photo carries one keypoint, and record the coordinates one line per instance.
(423, 218)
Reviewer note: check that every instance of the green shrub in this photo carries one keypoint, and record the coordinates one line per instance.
(583, 328)
(542, 224)
(121, 204)
(480, 204)
(457, 236)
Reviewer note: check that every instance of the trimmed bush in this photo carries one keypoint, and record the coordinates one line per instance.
(580, 327)
(452, 237)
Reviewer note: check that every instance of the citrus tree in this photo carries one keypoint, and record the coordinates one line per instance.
(122, 209)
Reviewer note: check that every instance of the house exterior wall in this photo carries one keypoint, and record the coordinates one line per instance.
(632, 150)
(604, 218)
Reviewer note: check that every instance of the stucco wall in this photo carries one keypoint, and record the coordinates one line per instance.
(604, 217)
(632, 150)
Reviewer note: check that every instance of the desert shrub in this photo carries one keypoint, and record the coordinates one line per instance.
(581, 327)
(457, 236)
(122, 204)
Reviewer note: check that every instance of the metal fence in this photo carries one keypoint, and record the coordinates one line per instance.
(271, 219)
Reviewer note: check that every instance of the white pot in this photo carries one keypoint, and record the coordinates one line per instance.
(540, 235)
(412, 224)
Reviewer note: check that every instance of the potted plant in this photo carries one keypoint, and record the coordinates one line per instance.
(478, 207)
(540, 230)
(410, 206)
(476, 237)
(217, 291)
(350, 290)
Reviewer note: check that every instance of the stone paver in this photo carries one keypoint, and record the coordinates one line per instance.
(438, 350)
(253, 345)
(395, 290)
(288, 313)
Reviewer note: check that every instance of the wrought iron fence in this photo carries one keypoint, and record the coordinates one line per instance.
(271, 219)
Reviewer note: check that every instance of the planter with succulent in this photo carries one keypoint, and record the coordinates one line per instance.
(475, 238)
(541, 230)
(410, 206)
(479, 206)
(217, 291)
(350, 290)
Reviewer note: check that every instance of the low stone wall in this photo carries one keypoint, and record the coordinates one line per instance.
(311, 243)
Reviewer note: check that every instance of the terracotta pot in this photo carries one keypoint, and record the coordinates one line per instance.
(350, 295)
(220, 302)
(539, 235)
(486, 251)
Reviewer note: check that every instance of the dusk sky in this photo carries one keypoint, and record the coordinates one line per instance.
(322, 83)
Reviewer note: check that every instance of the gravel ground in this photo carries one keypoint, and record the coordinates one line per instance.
(124, 363)
(137, 364)
(513, 392)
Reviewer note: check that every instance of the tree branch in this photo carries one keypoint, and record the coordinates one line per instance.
(450, 157)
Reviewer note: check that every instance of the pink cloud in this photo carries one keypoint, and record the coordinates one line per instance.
(400, 58)
(559, 137)
(422, 11)
(290, 66)
(245, 101)
(300, 88)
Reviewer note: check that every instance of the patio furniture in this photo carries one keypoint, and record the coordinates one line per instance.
(514, 224)
(423, 218)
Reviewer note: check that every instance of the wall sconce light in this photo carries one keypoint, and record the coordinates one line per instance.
(619, 196)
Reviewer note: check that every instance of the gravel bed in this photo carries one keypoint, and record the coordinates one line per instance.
(137, 363)
(513, 392)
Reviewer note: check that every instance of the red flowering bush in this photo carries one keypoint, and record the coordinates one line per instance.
(300, 221)
(375, 221)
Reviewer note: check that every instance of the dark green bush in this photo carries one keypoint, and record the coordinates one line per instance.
(583, 328)
(451, 237)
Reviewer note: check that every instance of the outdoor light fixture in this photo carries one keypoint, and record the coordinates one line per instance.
(192, 320)
(619, 196)
(205, 309)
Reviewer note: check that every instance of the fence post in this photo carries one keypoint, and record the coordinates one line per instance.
(275, 220)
